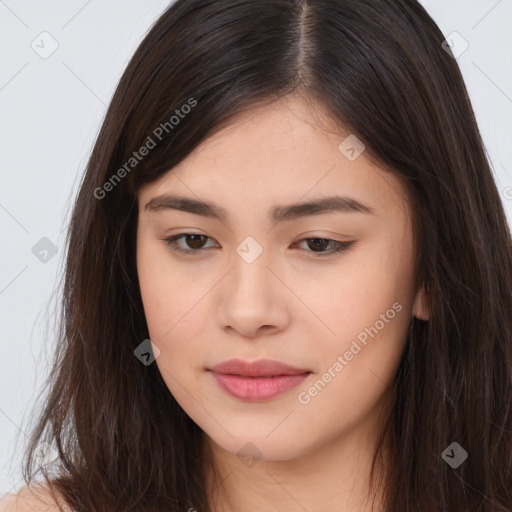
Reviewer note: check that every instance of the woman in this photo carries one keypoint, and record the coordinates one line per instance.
(288, 275)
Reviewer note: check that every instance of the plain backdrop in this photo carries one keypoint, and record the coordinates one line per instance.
(59, 65)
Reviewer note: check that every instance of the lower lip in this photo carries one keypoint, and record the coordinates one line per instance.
(254, 389)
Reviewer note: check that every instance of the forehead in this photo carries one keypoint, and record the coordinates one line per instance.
(276, 154)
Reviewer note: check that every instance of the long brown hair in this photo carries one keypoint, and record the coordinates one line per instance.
(378, 67)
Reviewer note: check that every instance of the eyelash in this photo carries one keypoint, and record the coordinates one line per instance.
(172, 241)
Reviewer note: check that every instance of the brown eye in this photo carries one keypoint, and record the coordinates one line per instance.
(194, 242)
(320, 246)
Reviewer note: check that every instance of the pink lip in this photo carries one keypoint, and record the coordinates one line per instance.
(257, 381)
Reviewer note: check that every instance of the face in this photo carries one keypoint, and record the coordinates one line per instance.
(326, 290)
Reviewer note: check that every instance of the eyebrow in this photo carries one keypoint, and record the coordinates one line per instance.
(277, 213)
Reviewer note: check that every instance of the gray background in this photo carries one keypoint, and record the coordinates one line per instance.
(51, 109)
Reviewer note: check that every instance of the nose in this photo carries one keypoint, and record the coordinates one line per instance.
(254, 301)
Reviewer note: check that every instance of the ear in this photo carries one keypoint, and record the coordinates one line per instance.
(422, 306)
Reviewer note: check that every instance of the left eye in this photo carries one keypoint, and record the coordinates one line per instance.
(195, 242)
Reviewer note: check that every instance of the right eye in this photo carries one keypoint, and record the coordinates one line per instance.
(194, 240)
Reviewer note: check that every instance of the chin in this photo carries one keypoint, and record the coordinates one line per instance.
(260, 446)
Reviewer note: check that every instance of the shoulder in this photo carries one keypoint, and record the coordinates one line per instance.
(33, 498)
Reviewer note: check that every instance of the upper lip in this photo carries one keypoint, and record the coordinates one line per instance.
(261, 368)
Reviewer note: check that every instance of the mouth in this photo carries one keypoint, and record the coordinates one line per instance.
(257, 381)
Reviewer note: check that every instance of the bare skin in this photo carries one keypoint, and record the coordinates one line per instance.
(36, 498)
(313, 449)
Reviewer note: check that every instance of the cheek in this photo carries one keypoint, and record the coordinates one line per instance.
(167, 291)
(172, 312)
(176, 310)
(367, 308)
(358, 362)
(174, 325)
(155, 294)
(359, 290)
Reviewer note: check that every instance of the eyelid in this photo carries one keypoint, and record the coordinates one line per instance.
(339, 246)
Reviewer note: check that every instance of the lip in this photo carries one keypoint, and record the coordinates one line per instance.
(256, 381)
(261, 368)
